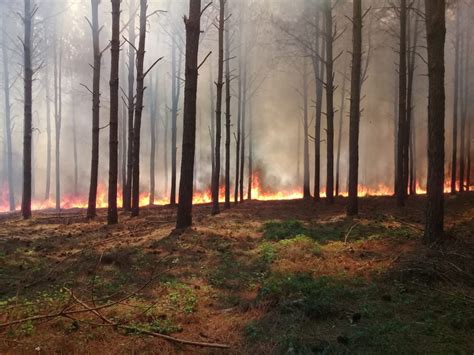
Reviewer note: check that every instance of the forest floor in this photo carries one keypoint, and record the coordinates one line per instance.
(288, 277)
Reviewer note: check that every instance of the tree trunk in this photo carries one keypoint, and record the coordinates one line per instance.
(412, 41)
(138, 111)
(402, 110)
(165, 144)
(127, 196)
(48, 134)
(339, 136)
(58, 119)
(8, 125)
(193, 30)
(74, 145)
(239, 122)
(353, 208)
(212, 116)
(464, 113)
(219, 86)
(319, 68)
(242, 132)
(436, 33)
(329, 101)
(306, 191)
(250, 177)
(176, 90)
(112, 216)
(27, 130)
(91, 208)
(153, 119)
(227, 114)
(457, 63)
(468, 154)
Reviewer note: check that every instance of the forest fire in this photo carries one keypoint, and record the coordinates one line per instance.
(259, 192)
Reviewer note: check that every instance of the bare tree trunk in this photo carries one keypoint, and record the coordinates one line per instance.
(127, 196)
(464, 113)
(8, 125)
(176, 90)
(227, 114)
(212, 116)
(250, 177)
(239, 122)
(469, 154)
(436, 34)
(457, 62)
(319, 68)
(112, 216)
(402, 110)
(412, 41)
(219, 85)
(138, 111)
(48, 134)
(353, 208)
(165, 144)
(92, 203)
(58, 119)
(395, 138)
(123, 143)
(329, 101)
(27, 130)
(153, 119)
(339, 136)
(306, 191)
(243, 133)
(74, 145)
(193, 30)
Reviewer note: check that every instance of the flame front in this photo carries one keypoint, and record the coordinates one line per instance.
(259, 192)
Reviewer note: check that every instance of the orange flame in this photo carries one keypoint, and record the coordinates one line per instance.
(259, 192)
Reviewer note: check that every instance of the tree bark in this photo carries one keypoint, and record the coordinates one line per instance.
(457, 63)
(436, 33)
(8, 125)
(112, 216)
(339, 136)
(219, 86)
(239, 122)
(329, 101)
(138, 111)
(193, 30)
(92, 204)
(353, 207)
(27, 130)
(153, 119)
(58, 118)
(227, 114)
(250, 177)
(401, 190)
(127, 196)
(464, 113)
(319, 71)
(176, 90)
(242, 132)
(48, 134)
(306, 188)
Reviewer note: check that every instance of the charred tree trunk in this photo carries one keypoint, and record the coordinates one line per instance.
(353, 208)
(91, 208)
(238, 134)
(329, 101)
(412, 41)
(127, 196)
(176, 90)
(339, 137)
(193, 30)
(153, 119)
(8, 125)
(212, 131)
(242, 133)
(402, 107)
(250, 177)
(112, 216)
(457, 62)
(58, 119)
(123, 143)
(138, 111)
(319, 71)
(48, 134)
(219, 86)
(436, 33)
(227, 114)
(306, 188)
(464, 114)
(28, 102)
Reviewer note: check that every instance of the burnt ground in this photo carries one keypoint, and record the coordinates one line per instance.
(263, 277)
